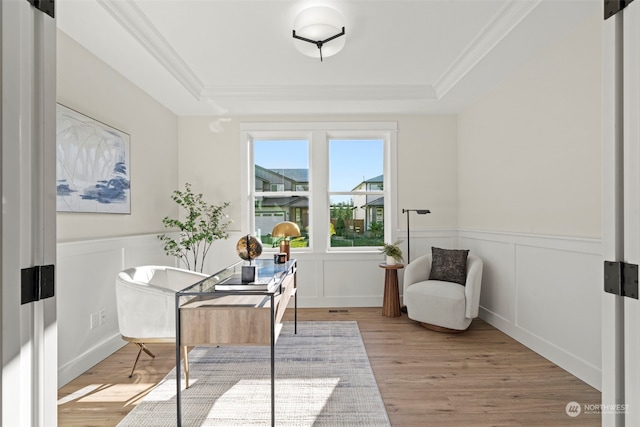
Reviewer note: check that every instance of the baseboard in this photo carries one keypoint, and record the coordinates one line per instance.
(342, 301)
(581, 369)
(88, 359)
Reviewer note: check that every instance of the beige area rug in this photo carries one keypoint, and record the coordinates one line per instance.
(323, 378)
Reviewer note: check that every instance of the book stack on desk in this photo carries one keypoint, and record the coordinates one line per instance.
(235, 283)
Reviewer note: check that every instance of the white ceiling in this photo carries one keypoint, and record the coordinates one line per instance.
(237, 57)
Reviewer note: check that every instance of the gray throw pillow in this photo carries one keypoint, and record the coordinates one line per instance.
(449, 265)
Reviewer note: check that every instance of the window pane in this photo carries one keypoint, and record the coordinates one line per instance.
(281, 165)
(270, 211)
(355, 223)
(355, 165)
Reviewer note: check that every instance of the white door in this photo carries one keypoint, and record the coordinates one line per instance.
(621, 214)
(27, 119)
(631, 127)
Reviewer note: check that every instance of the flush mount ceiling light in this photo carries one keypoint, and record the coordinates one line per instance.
(316, 26)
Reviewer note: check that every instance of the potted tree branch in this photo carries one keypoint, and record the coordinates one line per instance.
(203, 224)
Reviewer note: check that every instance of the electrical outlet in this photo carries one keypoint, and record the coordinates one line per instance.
(94, 321)
(103, 317)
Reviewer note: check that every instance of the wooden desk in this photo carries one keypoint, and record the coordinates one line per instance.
(391, 302)
(206, 315)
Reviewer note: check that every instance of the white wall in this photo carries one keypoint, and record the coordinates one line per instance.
(87, 265)
(530, 201)
(88, 85)
(529, 152)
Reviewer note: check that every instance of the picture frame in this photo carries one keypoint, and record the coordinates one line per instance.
(92, 165)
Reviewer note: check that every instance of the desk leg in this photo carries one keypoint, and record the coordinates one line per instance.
(178, 400)
(273, 365)
(295, 312)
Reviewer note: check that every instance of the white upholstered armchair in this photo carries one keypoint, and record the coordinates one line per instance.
(441, 305)
(145, 298)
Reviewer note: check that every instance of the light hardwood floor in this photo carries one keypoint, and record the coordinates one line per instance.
(479, 378)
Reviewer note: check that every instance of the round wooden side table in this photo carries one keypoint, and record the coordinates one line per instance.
(391, 302)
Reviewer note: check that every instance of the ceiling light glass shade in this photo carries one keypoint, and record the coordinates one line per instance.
(319, 23)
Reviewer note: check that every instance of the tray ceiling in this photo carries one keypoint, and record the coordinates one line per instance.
(237, 57)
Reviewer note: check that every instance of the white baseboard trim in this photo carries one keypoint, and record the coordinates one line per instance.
(346, 301)
(588, 373)
(89, 358)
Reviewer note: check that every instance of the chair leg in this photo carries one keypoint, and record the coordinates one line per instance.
(146, 350)
(185, 360)
(141, 348)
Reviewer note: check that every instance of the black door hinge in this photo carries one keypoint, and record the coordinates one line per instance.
(611, 7)
(46, 6)
(621, 279)
(37, 283)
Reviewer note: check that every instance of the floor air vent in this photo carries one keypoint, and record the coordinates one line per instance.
(339, 311)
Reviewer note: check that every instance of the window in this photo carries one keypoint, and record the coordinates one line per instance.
(335, 180)
(281, 181)
(356, 196)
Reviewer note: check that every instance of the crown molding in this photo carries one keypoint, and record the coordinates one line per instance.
(136, 23)
(132, 19)
(507, 18)
(320, 92)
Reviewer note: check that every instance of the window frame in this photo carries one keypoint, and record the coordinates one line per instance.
(318, 135)
(355, 194)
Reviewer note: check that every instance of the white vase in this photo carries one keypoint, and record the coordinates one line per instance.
(391, 260)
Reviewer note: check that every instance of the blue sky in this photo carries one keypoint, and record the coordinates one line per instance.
(351, 160)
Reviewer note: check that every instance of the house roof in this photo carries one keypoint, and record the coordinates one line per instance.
(378, 178)
(375, 179)
(377, 202)
(294, 175)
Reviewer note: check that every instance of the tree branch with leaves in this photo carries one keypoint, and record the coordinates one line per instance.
(203, 224)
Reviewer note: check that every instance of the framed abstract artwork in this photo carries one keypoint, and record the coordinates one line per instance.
(92, 165)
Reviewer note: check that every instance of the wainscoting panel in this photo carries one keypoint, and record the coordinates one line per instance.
(310, 278)
(85, 287)
(559, 301)
(498, 276)
(545, 292)
(139, 254)
(353, 278)
(87, 270)
(341, 279)
(86, 273)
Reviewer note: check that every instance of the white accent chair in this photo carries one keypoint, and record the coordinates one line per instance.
(442, 306)
(145, 298)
